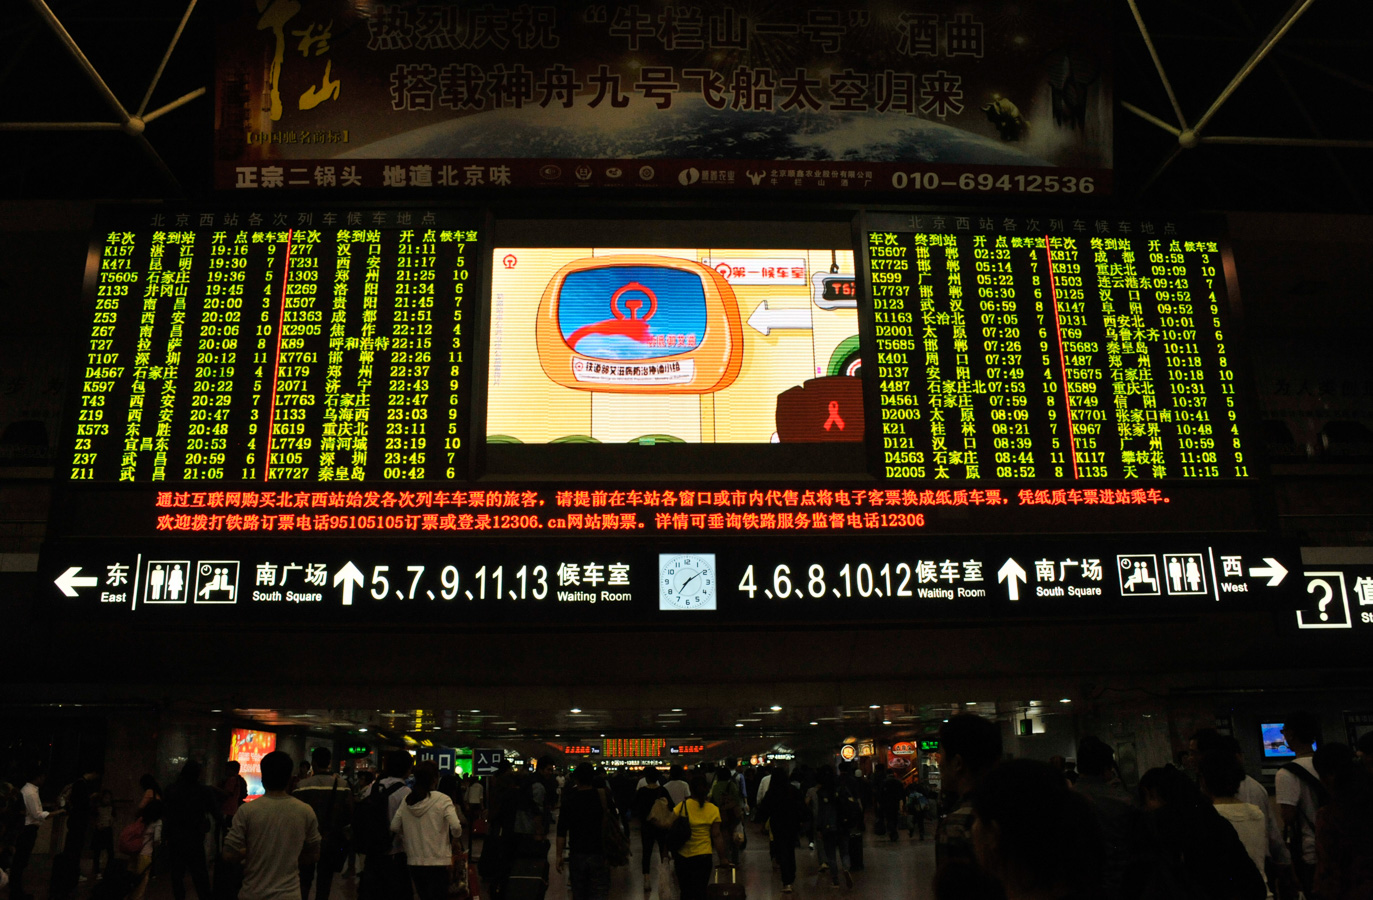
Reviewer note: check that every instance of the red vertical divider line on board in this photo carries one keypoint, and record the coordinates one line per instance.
(276, 365)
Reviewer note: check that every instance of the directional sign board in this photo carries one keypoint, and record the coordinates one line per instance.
(487, 761)
(571, 583)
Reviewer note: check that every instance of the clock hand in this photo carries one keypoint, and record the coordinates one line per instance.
(691, 579)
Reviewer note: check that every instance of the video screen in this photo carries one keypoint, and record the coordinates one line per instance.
(1274, 744)
(248, 747)
(683, 345)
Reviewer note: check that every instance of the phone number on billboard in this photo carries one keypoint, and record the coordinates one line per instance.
(986, 181)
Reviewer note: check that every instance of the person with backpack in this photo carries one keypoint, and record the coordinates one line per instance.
(384, 876)
(139, 840)
(428, 825)
(831, 827)
(1186, 849)
(727, 797)
(331, 799)
(1300, 795)
(651, 795)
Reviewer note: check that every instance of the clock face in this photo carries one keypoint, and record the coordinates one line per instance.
(686, 581)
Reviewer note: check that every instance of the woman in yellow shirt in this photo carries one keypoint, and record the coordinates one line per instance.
(694, 859)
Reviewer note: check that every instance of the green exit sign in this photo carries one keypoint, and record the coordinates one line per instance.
(929, 746)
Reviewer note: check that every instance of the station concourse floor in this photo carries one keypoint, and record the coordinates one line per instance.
(893, 870)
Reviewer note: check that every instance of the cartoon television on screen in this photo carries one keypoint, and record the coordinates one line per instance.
(674, 345)
(640, 325)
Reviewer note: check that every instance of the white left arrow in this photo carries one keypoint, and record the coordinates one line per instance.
(348, 576)
(1011, 573)
(765, 320)
(67, 582)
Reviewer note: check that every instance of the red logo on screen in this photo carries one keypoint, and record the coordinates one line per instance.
(510, 260)
(632, 326)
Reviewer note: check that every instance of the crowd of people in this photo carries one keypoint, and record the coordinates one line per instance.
(1006, 829)
(1025, 830)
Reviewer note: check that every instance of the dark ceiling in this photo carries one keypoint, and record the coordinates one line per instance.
(1314, 86)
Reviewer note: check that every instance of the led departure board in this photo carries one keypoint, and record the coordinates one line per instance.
(291, 348)
(1080, 350)
(338, 413)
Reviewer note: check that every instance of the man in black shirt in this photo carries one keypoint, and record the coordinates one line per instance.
(579, 824)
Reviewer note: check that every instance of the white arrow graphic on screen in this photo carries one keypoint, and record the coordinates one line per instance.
(67, 582)
(1011, 573)
(765, 320)
(1274, 571)
(348, 576)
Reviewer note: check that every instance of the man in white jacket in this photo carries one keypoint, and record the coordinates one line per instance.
(428, 826)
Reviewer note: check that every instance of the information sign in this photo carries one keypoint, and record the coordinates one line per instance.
(285, 348)
(487, 761)
(593, 583)
(1013, 348)
(274, 412)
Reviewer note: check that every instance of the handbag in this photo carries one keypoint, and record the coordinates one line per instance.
(679, 831)
(613, 841)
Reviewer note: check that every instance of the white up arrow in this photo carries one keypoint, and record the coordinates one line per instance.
(765, 320)
(1274, 571)
(348, 576)
(1011, 573)
(67, 582)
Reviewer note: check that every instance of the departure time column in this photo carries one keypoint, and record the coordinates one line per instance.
(412, 351)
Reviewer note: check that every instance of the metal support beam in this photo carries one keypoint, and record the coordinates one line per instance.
(1284, 24)
(1312, 143)
(46, 13)
(1151, 118)
(178, 102)
(157, 76)
(1158, 64)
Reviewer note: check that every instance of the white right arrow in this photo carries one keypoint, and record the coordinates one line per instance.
(67, 582)
(1011, 573)
(348, 576)
(765, 320)
(1274, 571)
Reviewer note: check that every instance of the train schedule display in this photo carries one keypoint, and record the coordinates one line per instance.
(1033, 348)
(316, 347)
(283, 409)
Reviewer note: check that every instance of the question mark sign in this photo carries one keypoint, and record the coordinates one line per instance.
(1321, 584)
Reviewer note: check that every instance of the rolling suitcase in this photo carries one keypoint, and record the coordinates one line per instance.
(726, 890)
(528, 880)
